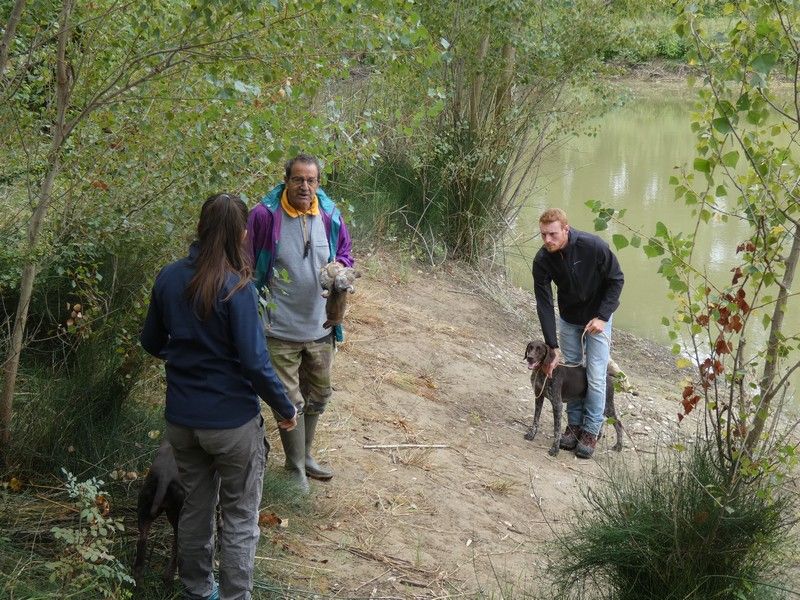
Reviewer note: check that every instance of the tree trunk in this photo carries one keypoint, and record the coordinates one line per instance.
(8, 34)
(771, 357)
(503, 98)
(11, 361)
(477, 85)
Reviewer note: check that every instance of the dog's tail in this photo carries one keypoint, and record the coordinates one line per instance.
(162, 484)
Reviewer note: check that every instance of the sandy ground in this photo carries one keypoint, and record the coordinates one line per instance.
(433, 357)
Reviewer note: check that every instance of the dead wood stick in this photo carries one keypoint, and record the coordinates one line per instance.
(294, 564)
(398, 563)
(414, 583)
(386, 572)
(396, 446)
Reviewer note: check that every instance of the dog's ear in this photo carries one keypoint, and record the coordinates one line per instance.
(528, 349)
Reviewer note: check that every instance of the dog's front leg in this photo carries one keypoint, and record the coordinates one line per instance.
(557, 408)
(534, 428)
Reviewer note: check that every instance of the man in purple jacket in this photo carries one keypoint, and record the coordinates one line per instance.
(295, 230)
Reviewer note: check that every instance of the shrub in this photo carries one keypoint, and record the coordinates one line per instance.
(81, 416)
(642, 40)
(86, 564)
(675, 531)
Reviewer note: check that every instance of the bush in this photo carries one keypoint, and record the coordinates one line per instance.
(643, 40)
(676, 532)
(86, 563)
(81, 417)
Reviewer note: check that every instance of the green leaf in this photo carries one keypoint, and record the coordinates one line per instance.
(755, 116)
(665, 321)
(636, 241)
(721, 192)
(661, 230)
(653, 250)
(731, 159)
(620, 241)
(600, 224)
(743, 103)
(722, 125)
(678, 286)
(763, 63)
(673, 180)
(702, 165)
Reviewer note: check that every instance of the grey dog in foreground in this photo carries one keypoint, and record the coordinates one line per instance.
(567, 383)
(162, 492)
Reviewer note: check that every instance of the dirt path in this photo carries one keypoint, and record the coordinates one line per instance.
(431, 359)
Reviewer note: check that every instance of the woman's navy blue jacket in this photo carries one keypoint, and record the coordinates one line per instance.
(217, 367)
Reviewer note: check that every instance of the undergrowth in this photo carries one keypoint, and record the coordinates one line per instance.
(676, 531)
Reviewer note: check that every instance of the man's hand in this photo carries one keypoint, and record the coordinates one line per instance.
(551, 366)
(596, 325)
(288, 424)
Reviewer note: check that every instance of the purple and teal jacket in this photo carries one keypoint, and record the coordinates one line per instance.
(264, 233)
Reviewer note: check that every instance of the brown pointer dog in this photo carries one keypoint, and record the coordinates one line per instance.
(567, 383)
(162, 491)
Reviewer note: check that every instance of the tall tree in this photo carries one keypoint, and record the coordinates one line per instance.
(119, 113)
(748, 136)
(505, 76)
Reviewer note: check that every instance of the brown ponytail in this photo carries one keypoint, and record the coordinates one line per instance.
(220, 233)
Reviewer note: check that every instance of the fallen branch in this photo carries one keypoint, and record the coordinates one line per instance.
(393, 561)
(396, 446)
(294, 564)
(414, 583)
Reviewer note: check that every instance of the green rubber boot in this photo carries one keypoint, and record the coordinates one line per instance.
(295, 450)
(313, 469)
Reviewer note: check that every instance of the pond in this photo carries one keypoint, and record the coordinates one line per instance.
(628, 164)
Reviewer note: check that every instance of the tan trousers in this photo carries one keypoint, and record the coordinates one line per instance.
(305, 370)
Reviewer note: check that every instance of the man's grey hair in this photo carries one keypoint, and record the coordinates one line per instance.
(308, 159)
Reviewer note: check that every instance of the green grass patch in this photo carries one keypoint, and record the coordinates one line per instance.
(677, 531)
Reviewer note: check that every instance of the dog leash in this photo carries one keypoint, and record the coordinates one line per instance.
(583, 350)
(581, 364)
(544, 384)
(583, 354)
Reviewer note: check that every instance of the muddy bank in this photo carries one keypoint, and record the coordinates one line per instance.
(436, 492)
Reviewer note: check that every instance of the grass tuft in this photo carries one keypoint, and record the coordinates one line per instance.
(676, 531)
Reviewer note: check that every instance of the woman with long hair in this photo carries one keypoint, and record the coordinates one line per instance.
(203, 321)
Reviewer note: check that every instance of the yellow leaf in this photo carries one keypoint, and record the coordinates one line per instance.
(15, 485)
(683, 363)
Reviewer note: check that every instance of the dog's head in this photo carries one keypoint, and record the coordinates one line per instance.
(538, 354)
